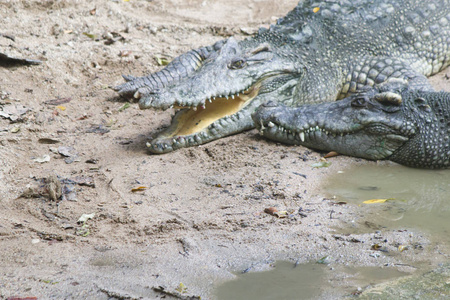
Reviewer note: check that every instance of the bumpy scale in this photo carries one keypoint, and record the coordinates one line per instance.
(397, 123)
(320, 52)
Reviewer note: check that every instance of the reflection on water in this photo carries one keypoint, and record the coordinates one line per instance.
(421, 197)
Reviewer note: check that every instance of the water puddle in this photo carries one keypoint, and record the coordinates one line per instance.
(419, 199)
(285, 281)
(304, 281)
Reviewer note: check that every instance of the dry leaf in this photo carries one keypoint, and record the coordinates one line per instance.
(321, 164)
(281, 214)
(139, 189)
(124, 53)
(18, 61)
(85, 217)
(270, 210)
(58, 101)
(161, 60)
(376, 247)
(316, 9)
(331, 154)
(48, 141)
(125, 106)
(90, 35)
(181, 288)
(324, 260)
(401, 248)
(372, 201)
(43, 159)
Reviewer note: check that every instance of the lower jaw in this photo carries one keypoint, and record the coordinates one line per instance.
(190, 128)
(236, 123)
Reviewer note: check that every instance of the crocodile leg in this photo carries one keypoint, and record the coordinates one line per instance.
(375, 71)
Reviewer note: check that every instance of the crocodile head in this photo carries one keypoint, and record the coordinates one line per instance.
(219, 93)
(372, 125)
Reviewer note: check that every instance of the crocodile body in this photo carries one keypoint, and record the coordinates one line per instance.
(320, 52)
(410, 127)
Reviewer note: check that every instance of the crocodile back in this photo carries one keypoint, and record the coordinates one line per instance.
(416, 31)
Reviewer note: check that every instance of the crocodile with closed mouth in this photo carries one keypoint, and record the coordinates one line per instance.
(321, 51)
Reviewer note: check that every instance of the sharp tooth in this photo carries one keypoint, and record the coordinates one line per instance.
(342, 134)
(203, 106)
(137, 95)
(209, 100)
(270, 124)
(195, 108)
(171, 106)
(317, 128)
(232, 96)
(302, 136)
(214, 97)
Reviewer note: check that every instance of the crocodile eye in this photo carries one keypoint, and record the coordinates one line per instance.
(237, 64)
(359, 102)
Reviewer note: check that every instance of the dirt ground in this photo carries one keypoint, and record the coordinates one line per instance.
(193, 216)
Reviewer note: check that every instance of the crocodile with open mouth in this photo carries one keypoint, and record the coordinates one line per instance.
(320, 52)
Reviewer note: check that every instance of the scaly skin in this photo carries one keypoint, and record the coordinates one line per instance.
(310, 55)
(406, 126)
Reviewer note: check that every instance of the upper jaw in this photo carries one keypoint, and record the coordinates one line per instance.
(212, 119)
(177, 136)
(178, 97)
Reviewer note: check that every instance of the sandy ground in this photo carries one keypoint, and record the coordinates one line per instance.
(199, 217)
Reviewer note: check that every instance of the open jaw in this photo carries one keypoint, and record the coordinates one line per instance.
(212, 118)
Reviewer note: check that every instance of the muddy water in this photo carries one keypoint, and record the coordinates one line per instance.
(285, 281)
(304, 281)
(420, 199)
